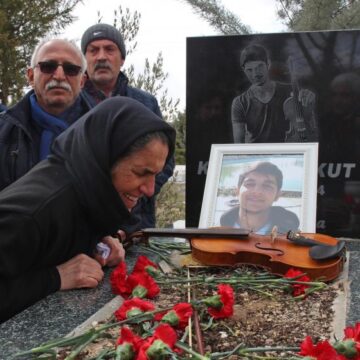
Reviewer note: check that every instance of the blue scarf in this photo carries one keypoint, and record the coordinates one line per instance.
(51, 125)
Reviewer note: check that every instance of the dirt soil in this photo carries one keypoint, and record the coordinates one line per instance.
(259, 320)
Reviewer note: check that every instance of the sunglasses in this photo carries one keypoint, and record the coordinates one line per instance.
(49, 67)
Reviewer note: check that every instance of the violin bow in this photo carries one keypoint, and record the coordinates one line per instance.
(187, 233)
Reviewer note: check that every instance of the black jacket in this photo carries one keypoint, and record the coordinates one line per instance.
(20, 139)
(66, 204)
(285, 220)
(146, 208)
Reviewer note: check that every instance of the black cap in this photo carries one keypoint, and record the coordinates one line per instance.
(103, 31)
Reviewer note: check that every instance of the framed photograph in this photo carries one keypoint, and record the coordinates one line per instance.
(225, 104)
(258, 186)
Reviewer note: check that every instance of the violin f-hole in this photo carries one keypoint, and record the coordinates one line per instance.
(279, 251)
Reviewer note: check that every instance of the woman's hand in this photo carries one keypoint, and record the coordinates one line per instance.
(79, 272)
(117, 252)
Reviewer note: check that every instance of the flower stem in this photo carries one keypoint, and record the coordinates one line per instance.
(190, 351)
(247, 351)
(82, 346)
(82, 340)
(52, 344)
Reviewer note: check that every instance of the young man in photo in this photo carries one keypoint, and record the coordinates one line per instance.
(270, 111)
(257, 190)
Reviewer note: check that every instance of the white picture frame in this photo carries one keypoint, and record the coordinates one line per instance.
(298, 163)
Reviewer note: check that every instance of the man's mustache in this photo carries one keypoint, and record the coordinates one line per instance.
(102, 65)
(58, 84)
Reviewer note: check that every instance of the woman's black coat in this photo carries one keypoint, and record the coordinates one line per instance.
(67, 203)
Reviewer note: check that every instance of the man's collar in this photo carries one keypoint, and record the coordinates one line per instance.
(119, 88)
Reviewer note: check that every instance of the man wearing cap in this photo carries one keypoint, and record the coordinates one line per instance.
(105, 52)
(27, 129)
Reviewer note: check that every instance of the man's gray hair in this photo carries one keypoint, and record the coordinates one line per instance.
(70, 42)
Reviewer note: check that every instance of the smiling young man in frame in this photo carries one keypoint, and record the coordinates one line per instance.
(257, 189)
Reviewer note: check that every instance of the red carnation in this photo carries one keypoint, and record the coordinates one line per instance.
(352, 332)
(158, 345)
(222, 304)
(144, 264)
(128, 337)
(321, 351)
(128, 344)
(350, 345)
(298, 289)
(141, 285)
(178, 316)
(133, 307)
(118, 282)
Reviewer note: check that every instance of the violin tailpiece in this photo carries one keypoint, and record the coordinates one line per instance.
(298, 239)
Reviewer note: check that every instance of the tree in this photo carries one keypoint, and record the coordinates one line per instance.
(300, 15)
(180, 126)
(221, 19)
(152, 79)
(22, 24)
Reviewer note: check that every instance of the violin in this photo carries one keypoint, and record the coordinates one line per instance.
(302, 126)
(319, 256)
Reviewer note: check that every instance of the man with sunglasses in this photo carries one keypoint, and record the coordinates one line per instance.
(28, 128)
(105, 52)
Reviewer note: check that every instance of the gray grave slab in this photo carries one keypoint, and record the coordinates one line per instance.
(64, 312)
